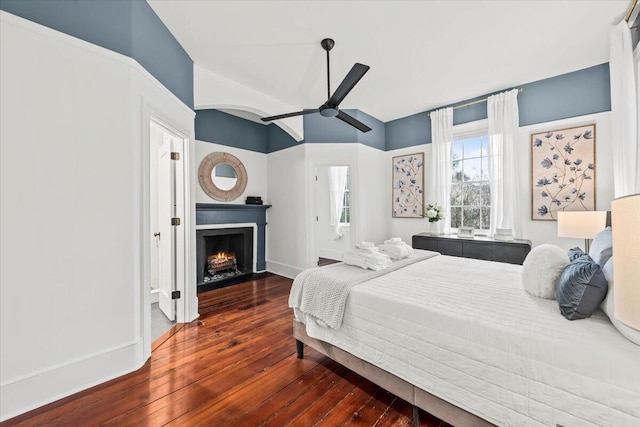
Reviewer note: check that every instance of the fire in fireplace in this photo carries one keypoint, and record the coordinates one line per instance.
(221, 266)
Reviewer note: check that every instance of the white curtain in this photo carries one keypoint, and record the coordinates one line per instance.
(502, 112)
(624, 112)
(337, 184)
(440, 172)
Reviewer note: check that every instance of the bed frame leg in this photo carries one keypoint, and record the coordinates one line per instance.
(299, 349)
(416, 416)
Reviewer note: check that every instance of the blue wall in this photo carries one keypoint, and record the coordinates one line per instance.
(573, 94)
(128, 27)
(226, 129)
(326, 130)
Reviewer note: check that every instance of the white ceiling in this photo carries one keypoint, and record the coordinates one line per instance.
(423, 54)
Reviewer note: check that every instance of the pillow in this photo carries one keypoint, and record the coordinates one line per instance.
(541, 269)
(581, 288)
(602, 247)
(575, 253)
(628, 332)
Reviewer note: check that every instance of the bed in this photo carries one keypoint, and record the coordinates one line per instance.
(461, 339)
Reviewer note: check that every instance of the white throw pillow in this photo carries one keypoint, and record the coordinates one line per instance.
(541, 270)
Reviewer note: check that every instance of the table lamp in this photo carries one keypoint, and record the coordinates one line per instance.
(581, 224)
(625, 228)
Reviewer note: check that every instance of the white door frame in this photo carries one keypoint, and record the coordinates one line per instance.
(187, 305)
(313, 197)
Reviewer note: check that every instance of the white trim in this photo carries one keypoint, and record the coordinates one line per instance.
(312, 209)
(25, 393)
(470, 129)
(45, 31)
(187, 306)
(281, 269)
(155, 296)
(238, 225)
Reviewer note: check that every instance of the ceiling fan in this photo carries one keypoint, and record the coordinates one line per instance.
(330, 108)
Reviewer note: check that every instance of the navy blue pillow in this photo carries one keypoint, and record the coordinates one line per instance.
(575, 253)
(581, 288)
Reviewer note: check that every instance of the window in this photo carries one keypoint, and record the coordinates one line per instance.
(470, 192)
(345, 215)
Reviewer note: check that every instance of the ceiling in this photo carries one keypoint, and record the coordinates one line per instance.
(423, 54)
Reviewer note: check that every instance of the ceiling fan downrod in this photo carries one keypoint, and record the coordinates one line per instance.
(327, 45)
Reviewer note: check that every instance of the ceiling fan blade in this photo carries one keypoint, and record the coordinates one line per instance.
(353, 77)
(284, 116)
(353, 121)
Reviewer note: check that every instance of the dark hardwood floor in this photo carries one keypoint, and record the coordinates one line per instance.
(234, 366)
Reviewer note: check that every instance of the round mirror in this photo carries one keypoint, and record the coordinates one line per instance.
(222, 176)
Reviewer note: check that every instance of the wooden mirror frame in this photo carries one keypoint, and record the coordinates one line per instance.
(206, 182)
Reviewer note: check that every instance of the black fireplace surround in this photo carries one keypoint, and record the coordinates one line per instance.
(238, 241)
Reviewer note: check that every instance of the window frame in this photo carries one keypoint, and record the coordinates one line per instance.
(346, 196)
(463, 131)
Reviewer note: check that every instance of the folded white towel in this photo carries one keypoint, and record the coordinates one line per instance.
(366, 244)
(367, 250)
(394, 242)
(396, 251)
(396, 239)
(373, 260)
(355, 260)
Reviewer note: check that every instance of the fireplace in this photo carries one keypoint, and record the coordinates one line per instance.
(223, 254)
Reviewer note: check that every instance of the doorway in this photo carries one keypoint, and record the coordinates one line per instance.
(166, 188)
(333, 202)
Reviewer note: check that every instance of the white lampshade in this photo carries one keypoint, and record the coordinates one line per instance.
(625, 225)
(581, 224)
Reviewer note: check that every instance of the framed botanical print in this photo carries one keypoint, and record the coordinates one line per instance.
(563, 172)
(407, 179)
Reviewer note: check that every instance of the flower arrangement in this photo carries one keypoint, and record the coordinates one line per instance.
(433, 212)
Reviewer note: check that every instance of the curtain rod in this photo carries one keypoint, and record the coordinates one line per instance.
(632, 6)
(478, 101)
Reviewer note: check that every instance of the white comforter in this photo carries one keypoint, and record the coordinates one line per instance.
(465, 331)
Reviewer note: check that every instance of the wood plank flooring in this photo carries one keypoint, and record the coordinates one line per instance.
(234, 366)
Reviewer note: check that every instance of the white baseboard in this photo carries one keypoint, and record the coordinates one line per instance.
(283, 269)
(29, 392)
(155, 296)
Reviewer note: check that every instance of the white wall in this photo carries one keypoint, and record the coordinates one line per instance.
(290, 245)
(254, 163)
(74, 212)
(287, 228)
(212, 90)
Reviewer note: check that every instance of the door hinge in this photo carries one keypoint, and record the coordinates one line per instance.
(316, 218)
(175, 155)
(316, 177)
(175, 294)
(175, 221)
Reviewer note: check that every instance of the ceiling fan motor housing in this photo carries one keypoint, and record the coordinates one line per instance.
(328, 111)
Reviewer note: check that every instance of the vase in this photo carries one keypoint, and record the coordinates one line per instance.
(435, 228)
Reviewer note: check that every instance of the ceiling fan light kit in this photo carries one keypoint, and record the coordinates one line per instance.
(330, 107)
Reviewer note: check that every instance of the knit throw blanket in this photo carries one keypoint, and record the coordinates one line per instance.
(322, 292)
